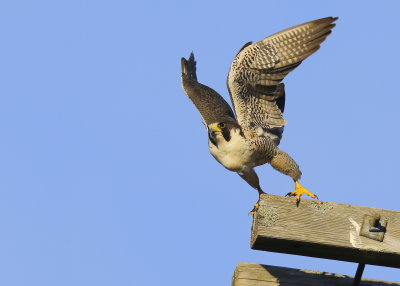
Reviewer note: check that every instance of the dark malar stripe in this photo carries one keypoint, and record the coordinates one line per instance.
(227, 134)
(212, 140)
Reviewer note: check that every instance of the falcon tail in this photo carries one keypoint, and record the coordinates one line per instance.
(189, 68)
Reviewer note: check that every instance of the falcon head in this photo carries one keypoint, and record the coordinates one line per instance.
(223, 131)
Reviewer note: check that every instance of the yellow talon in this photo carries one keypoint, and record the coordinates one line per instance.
(253, 211)
(299, 191)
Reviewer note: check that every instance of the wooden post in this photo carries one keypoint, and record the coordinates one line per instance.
(327, 230)
(249, 274)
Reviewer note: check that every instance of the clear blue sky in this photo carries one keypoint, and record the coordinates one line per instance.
(106, 177)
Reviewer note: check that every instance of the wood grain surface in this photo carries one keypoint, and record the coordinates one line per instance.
(325, 230)
(250, 274)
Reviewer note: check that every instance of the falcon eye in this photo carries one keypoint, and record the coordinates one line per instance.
(221, 125)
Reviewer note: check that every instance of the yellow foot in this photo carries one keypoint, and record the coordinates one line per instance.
(299, 191)
(253, 211)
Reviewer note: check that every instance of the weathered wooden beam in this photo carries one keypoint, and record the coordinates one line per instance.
(250, 274)
(326, 230)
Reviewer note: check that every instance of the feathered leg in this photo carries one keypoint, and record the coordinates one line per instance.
(252, 179)
(286, 165)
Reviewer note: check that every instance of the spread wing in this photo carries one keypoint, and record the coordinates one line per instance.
(212, 106)
(254, 79)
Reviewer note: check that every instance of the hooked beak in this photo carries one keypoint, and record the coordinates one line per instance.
(214, 127)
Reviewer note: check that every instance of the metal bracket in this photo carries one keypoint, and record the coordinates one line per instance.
(373, 227)
(357, 278)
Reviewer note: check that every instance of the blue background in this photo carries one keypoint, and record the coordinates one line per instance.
(106, 177)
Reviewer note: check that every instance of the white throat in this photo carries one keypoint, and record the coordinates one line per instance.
(234, 154)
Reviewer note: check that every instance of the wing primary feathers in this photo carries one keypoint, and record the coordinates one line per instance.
(189, 68)
(257, 70)
(212, 106)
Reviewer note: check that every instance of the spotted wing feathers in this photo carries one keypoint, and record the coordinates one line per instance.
(258, 69)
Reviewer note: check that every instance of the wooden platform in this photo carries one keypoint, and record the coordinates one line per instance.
(327, 230)
(249, 274)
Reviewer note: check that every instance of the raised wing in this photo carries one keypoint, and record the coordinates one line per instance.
(212, 107)
(258, 69)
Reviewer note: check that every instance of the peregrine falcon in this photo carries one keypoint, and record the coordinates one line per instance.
(250, 136)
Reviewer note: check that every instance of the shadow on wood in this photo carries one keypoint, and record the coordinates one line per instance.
(249, 274)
